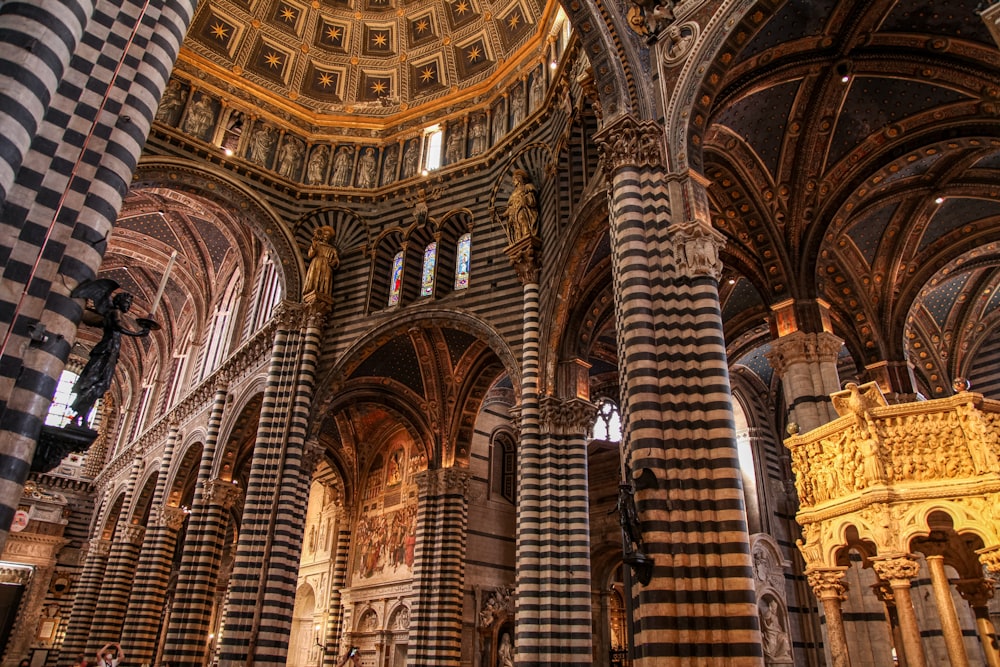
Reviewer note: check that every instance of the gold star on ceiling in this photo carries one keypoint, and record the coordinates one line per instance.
(379, 87)
(461, 7)
(287, 13)
(380, 39)
(513, 21)
(273, 59)
(220, 31)
(325, 79)
(427, 75)
(473, 54)
(333, 33)
(422, 25)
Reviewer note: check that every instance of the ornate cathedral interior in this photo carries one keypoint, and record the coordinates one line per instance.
(486, 333)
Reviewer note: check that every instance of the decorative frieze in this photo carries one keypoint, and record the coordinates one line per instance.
(443, 481)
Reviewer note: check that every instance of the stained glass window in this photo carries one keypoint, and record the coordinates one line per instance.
(396, 279)
(427, 275)
(462, 261)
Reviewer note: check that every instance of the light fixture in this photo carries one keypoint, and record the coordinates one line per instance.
(732, 281)
(939, 200)
(229, 152)
(554, 64)
(843, 70)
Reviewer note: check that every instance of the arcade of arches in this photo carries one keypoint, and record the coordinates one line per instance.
(503, 332)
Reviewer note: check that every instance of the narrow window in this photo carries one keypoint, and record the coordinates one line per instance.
(60, 412)
(396, 279)
(433, 144)
(428, 273)
(462, 261)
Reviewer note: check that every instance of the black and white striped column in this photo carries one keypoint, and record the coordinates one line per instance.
(68, 186)
(700, 607)
(144, 615)
(201, 555)
(85, 597)
(265, 574)
(338, 580)
(807, 366)
(439, 568)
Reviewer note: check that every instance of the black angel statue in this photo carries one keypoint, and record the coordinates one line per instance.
(95, 379)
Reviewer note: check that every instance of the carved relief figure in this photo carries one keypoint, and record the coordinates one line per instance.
(516, 105)
(537, 91)
(316, 168)
(324, 260)
(477, 132)
(290, 157)
(261, 144)
(366, 169)
(455, 151)
(505, 652)
(411, 156)
(200, 118)
(342, 166)
(775, 637)
(171, 102)
(499, 123)
(390, 164)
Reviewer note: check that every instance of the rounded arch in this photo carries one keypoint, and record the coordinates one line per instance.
(217, 186)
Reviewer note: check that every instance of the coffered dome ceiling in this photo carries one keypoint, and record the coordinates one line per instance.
(364, 57)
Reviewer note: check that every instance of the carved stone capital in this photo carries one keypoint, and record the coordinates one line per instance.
(312, 454)
(134, 535)
(222, 493)
(828, 582)
(883, 592)
(696, 249)
(288, 315)
(317, 308)
(898, 571)
(630, 143)
(170, 517)
(446, 481)
(524, 256)
(990, 558)
(567, 417)
(977, 592)
(99, 548)
(800, 347)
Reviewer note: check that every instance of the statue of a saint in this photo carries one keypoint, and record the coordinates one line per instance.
(200, 118)
(776, 646)
(95, 379)
(521, 216)
(505, 652)
(323, 261)
(290, 157)
(316, 169)
(342, 166)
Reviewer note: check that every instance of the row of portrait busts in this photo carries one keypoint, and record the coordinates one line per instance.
(344, 164)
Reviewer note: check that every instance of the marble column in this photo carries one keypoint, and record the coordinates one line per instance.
(807, 366)
(830, 587)
(898, 571)
(978, 593)
(883, 592)
(950, 626)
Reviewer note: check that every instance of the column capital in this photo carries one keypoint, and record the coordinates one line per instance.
(316, 308)
(883, 591)
(288, 314)
(897, 570)
(977, 592)
(222, 493)
(437, 482)
(170, 517)
(696, 248)
(99, 547)
(525, 256)
(572, 416)
(134, 535)
(990, 558)
(802, 347)
(312, 454)
(828, 582)
(628, 142)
